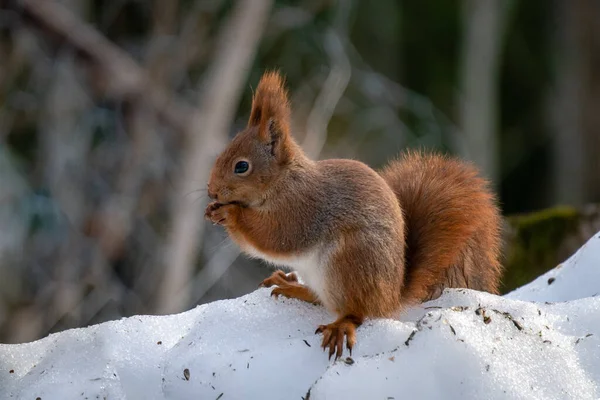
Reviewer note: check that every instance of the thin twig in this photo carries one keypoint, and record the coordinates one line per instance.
(116, 73)
(333, 87)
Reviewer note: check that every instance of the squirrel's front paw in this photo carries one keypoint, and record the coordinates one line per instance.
(210, 210)
(220, 214)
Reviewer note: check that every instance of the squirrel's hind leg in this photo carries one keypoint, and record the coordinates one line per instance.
(288, 286)
(334, 333)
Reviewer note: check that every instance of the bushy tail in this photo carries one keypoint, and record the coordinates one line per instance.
(452, 225)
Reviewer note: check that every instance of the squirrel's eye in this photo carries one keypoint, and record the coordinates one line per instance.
(241, 167)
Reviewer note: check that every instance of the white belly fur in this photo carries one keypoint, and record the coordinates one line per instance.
(310, 265)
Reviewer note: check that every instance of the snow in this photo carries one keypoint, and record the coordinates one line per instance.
(541, 341)
(577, 278)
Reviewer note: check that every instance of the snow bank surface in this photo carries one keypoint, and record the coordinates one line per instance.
(466, 344)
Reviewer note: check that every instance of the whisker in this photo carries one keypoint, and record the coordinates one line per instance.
(195, 191)
(199, 198)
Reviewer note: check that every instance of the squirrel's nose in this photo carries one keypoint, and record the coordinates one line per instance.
(212, 195)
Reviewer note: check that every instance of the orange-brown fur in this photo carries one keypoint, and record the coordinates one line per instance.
(380, 241)
(452, 225)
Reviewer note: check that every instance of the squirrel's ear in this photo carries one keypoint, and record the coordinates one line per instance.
(271, 112)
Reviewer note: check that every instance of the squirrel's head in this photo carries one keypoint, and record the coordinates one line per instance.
(258, 155)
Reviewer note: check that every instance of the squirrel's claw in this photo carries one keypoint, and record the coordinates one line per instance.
(334, 334)
(210, 208)
(279, 278)
(221, 214)
(288, 286)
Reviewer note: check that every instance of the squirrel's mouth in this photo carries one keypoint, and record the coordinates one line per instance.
(234, 202)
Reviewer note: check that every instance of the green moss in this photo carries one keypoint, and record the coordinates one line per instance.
(533, 244)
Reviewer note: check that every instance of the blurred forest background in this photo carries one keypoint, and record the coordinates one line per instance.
(112, 111)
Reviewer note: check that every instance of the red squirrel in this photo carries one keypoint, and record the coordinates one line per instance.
(366, 243)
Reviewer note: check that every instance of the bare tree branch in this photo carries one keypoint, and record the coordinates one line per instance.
(212, 271)
(574, 103)
(236, 46)
(334, 86)
(484, 21)
(331, 93)
(115, 73)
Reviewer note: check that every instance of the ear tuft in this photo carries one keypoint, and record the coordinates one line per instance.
(270, 108)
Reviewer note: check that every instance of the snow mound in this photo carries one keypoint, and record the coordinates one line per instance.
(574, 279)
(466, 344)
